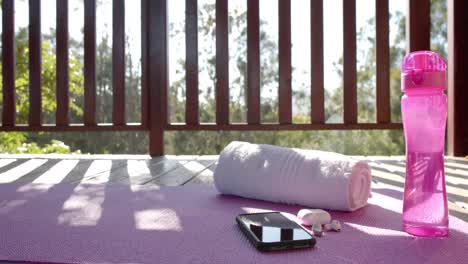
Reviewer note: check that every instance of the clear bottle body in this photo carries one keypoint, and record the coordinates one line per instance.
(425, 211)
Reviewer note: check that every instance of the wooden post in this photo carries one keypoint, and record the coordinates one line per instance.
(418, 25)
(191, 62)
(144, 63)
(118, 62)
(253, 62)
(158, 75)
(457, 78)
(382, 62)
(316, 64)
(222, 63)
(350, 106)
(8, 63)
(63, 103)
(35, 63)
(284, 46)
(90, 62)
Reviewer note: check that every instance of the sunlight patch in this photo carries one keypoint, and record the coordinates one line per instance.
(386, 202)
(375, 231)
(21, 170)
(4, 162)
(57, 173)
(32, 189)
(137, 170)
(194, 166)
(251, 210)
(83, 208)
(98, 172)
(7, 206)
(157, 219)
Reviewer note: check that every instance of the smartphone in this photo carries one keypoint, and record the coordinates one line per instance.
(273, 231)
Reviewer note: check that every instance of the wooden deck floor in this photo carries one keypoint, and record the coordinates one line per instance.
(388, 172)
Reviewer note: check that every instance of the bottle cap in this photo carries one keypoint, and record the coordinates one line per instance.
(423, 69)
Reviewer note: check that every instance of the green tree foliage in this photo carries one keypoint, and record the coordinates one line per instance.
(348, 142)
(17, 142)
(110, 142)
(358, 142)
(48, 83)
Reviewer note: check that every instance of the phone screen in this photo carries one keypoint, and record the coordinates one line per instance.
(274, 227)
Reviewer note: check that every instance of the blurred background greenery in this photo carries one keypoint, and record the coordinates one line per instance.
(358, 142)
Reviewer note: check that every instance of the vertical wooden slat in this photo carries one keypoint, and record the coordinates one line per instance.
(8, 62)
(144, 62)
(61, 116)
(317, 82)
(253, 62)
(284, 33)
(90, 62)
(457, 78)
(418, 25)
(191, 62)
(118, 62)
(349, 62)
(35, 58)
(382, 61)
(158, 75)
(222, 63)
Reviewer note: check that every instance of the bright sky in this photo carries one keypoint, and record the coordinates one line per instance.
(333, 45)
(76, 20)
(300, 23)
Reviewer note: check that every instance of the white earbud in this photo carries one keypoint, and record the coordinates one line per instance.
(317, 229)
(333, 226)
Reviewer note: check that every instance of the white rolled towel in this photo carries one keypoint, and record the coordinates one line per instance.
(316, 179)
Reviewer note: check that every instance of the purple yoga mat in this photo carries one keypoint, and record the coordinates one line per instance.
(118, 224)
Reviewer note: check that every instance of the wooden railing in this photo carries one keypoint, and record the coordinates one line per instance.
(154, 47)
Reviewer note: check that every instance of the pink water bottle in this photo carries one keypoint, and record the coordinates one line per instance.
(424, 111)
